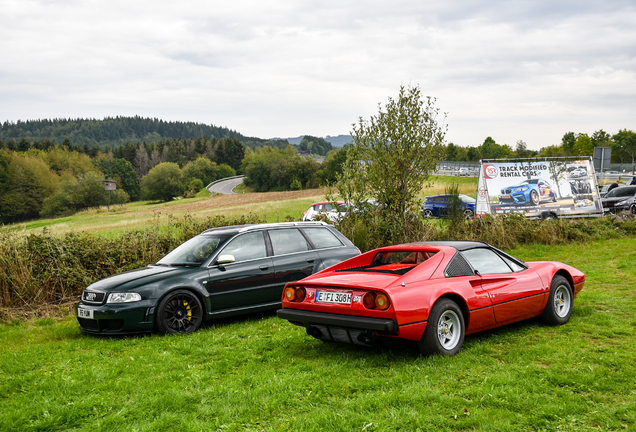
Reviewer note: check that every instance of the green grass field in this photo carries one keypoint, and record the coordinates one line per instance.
(261, 373)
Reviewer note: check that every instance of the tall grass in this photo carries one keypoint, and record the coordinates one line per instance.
(368, 231)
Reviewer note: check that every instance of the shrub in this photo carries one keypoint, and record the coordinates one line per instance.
(43, 268)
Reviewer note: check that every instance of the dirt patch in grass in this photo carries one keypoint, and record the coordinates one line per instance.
(220, 201)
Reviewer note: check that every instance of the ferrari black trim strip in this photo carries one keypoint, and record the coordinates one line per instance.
(309, 317)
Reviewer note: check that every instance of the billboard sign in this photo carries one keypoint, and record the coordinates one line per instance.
(534, 187)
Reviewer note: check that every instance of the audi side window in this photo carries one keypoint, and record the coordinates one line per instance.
(247, 247)
(286, 241)
(486, 261)
(322, 238)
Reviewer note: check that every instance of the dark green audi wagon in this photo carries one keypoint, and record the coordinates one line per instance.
(219, 273)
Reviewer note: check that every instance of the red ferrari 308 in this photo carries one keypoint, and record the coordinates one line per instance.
(433, 293)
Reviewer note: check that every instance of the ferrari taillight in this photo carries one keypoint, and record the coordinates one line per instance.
(295, 294)
(300, 294)
(290, 294)
(382, 302)
(369, 300)
(373, 300)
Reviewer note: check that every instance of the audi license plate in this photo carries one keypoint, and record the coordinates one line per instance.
(84, 313)
(333, 297)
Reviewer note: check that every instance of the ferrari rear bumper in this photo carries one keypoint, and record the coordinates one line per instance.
(330, 319)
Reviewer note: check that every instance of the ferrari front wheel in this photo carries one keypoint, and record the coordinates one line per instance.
(180, 311)
(445, 330)
(560, 302)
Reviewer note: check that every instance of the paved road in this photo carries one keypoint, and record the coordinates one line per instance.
(226, 187)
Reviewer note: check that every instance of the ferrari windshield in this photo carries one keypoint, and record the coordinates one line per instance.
(195, 251)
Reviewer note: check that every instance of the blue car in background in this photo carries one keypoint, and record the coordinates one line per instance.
(439, 205)
(528, 192)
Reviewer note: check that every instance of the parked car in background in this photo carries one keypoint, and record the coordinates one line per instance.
(602, 190)
(622, 198)
(439, 205)
(432, 293)
(219, 273)
(329, 210)
(528, 192)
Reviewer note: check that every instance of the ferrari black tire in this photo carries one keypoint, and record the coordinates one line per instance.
(445, 330)
(560, 302)
(180, 311)
(534, 197)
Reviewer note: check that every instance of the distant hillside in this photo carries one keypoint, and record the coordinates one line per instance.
(336, 141)
(113, 132)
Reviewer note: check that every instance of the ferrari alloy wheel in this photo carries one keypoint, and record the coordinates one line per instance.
(534, 197)
(468, 214)
(445, 329)
(427, 213)
(179, 312)
(633, 209)
(560, 301)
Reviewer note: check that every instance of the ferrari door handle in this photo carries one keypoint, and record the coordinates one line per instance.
(310, 260)
(264, 267)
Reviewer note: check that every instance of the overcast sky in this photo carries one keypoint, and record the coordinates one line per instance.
(512, 70)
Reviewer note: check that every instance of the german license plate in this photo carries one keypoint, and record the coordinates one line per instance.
(84, 313)
(333, 297)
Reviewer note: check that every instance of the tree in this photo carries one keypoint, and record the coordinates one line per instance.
(567, 143)
(491, 150)
(24, 184)
(142, 161)
(121, 170)
(203, 169)
(521, 149)
(451, 152)
(625, 142)
(600, 138)
(583, 145)
(230, 152)
(163, 182)
(394, 152)
(68, 162)
(75, 194)
(270, 168)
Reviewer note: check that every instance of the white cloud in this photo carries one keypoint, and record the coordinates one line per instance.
(530, 70)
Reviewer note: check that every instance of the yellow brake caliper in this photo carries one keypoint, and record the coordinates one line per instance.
(189, 309)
